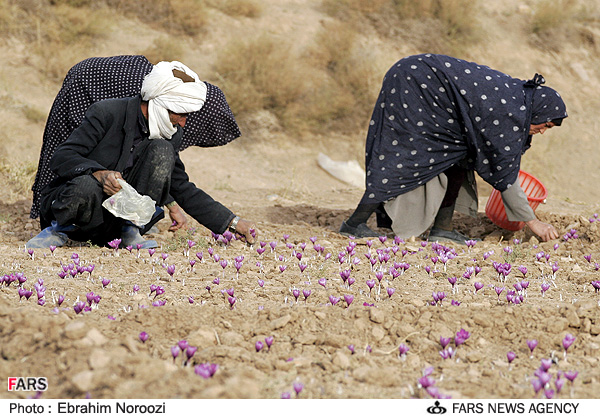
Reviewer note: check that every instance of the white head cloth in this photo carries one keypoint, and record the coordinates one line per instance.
(163, 91)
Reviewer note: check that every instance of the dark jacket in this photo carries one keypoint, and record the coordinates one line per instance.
(103, 141)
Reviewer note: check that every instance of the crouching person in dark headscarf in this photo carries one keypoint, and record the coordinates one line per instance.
(136, 139)
(438, 120)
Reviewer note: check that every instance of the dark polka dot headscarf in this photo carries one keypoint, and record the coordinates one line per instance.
(101, 78)
(435, 111)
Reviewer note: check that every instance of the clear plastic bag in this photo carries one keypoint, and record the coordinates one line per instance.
(128, 204)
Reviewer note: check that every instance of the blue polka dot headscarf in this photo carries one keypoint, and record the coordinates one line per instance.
(434, 111)
(100, 78)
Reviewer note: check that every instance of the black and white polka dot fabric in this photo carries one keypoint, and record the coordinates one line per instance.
(435, 111)
(100, 78)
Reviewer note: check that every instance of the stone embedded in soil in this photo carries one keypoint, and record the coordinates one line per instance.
(341, 360)
(376, 315)
(94, 338)
(474, 356)
(378, 333)
(99, 359)
(305, 338)
(83, 380)
(232, 338)
(75, 330)
(557, 325)
(280, 322)
(202, 338)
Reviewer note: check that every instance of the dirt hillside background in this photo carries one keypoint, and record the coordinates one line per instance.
(270, 175)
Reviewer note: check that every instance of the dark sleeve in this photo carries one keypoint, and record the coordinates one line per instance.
(70, 158)
(198, 204)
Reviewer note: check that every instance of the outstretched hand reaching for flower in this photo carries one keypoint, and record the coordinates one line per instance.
(178, 217)
(246, 230)
(543, 230)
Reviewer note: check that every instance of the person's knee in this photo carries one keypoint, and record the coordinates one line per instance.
(161, 152)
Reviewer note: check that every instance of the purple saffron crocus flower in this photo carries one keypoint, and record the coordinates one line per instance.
(349, 299)
(78, 307)
(510, 356)
(571, 375)
(532, 344)
(182, 344)
(190, 351)
(105, 282)
(306, 293)
(333, 300)
(191, 299)
(175, 350)
(568, 341)
(298, 388)
(204, 370)
(258, 345)
(403, 349)
(261, 282)
(351, 348)
(323, 282)
(143, 336)
(444, 342)
(447, 353)
(269, 341)
(390, 291)
(296, 293)
(537, 385)
(546, 363)
(478, 286)
(286, 395)
(461, 337)
(426, 381)
(231, 301)
(545, 287)
(171, 270)
(558, 384)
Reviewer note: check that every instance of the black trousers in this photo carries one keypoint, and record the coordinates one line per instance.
(79, 201)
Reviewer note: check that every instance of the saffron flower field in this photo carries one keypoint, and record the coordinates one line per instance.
(307, 313)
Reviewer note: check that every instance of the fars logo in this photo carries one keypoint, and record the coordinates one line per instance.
(34, 384)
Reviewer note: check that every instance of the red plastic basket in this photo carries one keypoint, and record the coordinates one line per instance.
(534, 190)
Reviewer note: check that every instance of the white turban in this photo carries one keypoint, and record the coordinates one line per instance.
(163, 91)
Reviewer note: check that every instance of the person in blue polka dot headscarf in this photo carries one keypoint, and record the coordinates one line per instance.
(437, 120)
(122, 119)
(100, 78)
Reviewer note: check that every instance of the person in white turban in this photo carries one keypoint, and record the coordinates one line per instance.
(136, 139)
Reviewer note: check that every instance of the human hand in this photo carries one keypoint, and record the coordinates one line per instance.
(178, 218)
(543, 230)
(108, 180)
(243, 229)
